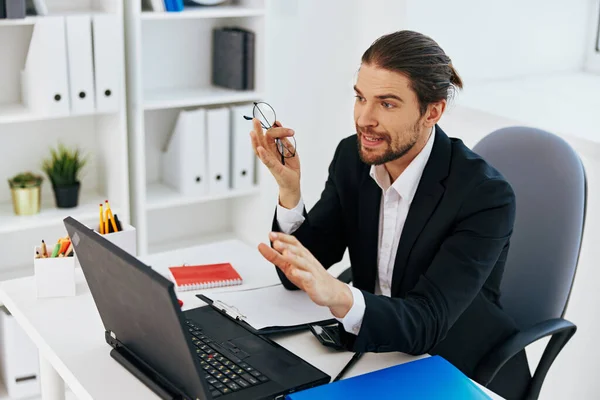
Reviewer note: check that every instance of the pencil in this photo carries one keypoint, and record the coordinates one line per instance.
(44, 250)
(55, 251)
(69, 250)
(110, 215)
(64, 244)
(101, 226)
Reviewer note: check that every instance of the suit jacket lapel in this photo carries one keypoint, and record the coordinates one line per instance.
(428, 194)
(369, 204)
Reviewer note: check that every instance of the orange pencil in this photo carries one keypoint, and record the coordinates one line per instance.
(69, 250)
(111, 216)
(64, 246)
(101, 226)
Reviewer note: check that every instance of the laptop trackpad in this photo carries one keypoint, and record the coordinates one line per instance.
(268, 355)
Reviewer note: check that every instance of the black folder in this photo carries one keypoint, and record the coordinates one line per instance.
(233, 58)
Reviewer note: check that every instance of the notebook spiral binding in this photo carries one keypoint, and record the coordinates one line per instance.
(210, 285)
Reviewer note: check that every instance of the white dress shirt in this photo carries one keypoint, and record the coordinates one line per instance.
(395, 202)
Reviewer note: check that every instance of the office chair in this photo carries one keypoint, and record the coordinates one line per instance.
(550, 188)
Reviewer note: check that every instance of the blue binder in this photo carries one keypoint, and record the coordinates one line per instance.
(426, 378)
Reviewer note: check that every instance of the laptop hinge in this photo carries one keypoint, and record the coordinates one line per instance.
(141, 370)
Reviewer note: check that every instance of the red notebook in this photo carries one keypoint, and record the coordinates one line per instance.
(194, 277)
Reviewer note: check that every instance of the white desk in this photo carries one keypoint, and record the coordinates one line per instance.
(70, 337)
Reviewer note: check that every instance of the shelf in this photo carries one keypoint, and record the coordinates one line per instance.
(50, 215)
(203, 96)
(18, 22)
(204, 12)
(160, 196)
(15, 113)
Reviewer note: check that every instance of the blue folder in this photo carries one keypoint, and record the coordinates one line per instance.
(426, 378)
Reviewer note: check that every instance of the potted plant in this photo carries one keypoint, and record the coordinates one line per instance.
(25, 189)
(63, 169)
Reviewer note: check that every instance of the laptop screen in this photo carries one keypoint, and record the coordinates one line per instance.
(139, 306)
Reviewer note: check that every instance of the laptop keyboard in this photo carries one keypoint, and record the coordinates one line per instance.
(224, 374)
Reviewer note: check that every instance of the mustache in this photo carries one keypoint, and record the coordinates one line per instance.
(370, 132)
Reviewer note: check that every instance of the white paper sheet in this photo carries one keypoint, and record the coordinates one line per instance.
(273, 306)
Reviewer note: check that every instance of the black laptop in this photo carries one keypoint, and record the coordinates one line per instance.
(196, 354)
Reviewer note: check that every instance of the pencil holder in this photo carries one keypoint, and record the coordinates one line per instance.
(55, 276)
(125, 239)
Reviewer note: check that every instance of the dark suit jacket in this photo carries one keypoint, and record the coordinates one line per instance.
(450, 259)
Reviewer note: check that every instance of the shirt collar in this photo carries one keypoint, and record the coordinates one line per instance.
(406, 184)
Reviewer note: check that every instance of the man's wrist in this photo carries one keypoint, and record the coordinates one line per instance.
(342, 300)
(289, 199)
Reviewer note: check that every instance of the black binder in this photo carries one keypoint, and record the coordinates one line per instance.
(233, 58)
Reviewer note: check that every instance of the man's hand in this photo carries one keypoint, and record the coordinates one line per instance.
(288, 175)
(305, 271)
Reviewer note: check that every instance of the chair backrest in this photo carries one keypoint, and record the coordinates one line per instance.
(550, 188)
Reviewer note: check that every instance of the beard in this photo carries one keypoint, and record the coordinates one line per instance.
(392, 151)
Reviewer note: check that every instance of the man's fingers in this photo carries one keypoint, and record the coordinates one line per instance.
(274, 257)
(291, 239)
(279, 132)
(269, 160)
(254, 141)
(294, 249)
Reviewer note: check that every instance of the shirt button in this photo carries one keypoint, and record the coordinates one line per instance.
(387, 245)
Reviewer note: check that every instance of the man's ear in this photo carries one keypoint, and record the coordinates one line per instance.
(434, 112)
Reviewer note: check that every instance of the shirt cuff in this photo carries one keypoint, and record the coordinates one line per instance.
(290, 220)
(353, 320)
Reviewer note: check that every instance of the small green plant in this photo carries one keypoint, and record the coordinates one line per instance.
(64, 166)
(25, 180)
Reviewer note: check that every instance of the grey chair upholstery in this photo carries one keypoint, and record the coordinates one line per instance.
(551, 193)
(550, 188)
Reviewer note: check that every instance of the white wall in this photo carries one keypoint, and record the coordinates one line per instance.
(312, 59)
(502, 39)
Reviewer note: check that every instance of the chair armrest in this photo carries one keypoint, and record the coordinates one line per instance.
(561, 331)
(346, 275)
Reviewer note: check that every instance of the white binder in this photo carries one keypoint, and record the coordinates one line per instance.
(217, 130)
(184, 157)
(81, 69)
(44, 81)
(107, 60)
(242, 154)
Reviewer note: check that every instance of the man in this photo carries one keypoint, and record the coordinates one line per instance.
(426, 221)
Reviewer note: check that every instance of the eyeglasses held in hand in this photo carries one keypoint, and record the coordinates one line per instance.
(266, 115)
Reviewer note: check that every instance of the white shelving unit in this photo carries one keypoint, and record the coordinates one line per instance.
(169, 67)
(28, 134)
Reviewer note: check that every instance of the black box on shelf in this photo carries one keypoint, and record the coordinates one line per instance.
(233, 58)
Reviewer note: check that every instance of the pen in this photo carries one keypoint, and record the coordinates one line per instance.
(119, 227)
(352, 361)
